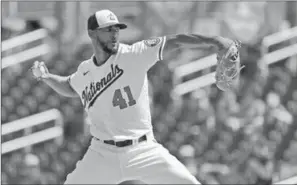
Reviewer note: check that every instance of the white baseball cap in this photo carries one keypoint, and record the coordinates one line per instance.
(104, 18)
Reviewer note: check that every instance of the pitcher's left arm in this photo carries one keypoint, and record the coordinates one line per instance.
(228, 62)
(193, 41)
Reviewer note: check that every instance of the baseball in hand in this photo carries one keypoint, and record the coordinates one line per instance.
(42, 69)
(38, 70)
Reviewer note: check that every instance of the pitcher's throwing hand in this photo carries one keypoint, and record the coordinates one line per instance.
(39, 70)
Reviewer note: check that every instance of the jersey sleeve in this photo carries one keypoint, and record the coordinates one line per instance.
(149, 51)
(74, 79)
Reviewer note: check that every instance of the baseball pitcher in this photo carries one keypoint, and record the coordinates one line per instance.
(113, 88)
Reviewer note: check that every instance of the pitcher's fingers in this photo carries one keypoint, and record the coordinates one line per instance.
(36, 64)
(42, 63)
(44, 67)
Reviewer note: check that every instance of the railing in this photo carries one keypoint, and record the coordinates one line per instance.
(277, 38)
(26, 124)
(280, 54)
(291, 180)
(182, 88)
(28, 54)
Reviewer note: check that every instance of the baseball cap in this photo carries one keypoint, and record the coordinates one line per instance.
(104, 18)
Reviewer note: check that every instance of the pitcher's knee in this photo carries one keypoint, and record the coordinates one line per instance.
(194, 181)
(189, 179)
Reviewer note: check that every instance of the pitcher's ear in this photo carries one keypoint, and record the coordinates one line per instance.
(91, 33)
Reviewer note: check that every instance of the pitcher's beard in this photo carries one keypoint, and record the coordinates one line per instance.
(106, 49)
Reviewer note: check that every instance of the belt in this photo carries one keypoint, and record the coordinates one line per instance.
(125, 142)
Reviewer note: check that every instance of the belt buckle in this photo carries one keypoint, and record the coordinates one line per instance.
(121, 143)
(117, 144)
(134, 142)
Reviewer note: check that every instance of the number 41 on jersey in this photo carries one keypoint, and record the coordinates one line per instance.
(119, 100)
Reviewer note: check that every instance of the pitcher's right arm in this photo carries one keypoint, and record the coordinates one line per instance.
(58, 83)
(61, 85)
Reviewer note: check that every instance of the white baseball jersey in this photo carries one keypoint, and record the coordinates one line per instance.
(115, 94)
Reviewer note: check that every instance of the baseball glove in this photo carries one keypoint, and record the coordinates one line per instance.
(228, 67)
(39, 70)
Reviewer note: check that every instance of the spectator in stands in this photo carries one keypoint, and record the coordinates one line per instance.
(31, 172)
(261, 163)
(187, 154)
(4, 178)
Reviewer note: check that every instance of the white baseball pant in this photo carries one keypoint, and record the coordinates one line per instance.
(147, 161)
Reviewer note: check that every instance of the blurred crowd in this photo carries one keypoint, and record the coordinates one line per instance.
(248, 136)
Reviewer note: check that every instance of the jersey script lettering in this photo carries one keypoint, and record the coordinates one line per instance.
(95, 89)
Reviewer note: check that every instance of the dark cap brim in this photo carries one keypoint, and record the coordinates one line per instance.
(121, 25)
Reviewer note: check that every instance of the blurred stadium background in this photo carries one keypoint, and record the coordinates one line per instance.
(248, 136)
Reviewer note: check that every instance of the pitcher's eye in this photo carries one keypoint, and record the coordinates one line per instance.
(111, 29)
